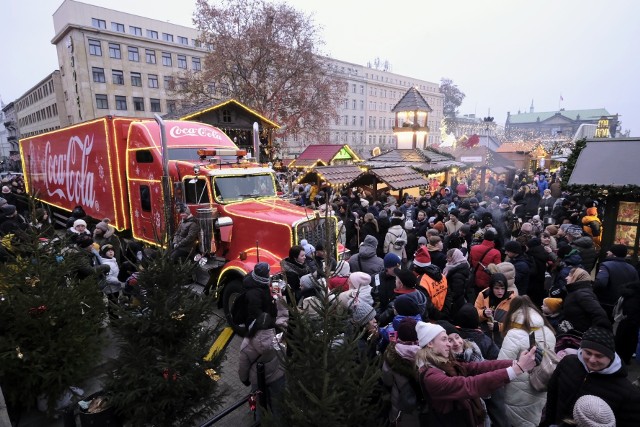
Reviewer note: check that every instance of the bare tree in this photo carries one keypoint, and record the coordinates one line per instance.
(266, 56)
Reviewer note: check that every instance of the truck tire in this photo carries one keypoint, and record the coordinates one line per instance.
(231, 292)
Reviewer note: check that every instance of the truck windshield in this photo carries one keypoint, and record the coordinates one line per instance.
(235, 188)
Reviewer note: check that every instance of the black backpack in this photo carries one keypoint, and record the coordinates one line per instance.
(239, 310)
(595, 228)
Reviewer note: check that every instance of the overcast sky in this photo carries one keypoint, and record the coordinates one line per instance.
(502, 53)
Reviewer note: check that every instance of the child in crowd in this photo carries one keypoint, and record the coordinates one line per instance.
(110, 285)
(552, 311)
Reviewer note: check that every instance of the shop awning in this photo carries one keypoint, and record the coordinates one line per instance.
(336, 176)
(396, 178)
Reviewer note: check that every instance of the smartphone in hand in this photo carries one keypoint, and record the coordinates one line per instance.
(532, 339)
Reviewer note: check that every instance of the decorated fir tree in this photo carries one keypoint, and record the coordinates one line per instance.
(161, 377)
(50, 322)
(329, 379)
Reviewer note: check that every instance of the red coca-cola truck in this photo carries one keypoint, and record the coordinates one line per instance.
(114, 167)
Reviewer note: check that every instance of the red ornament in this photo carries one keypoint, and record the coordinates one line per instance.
(165, 373)
(36, 311)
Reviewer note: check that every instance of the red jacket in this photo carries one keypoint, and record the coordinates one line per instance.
(448, 394)
(476, 255)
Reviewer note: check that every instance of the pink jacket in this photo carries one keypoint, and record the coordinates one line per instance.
(443, 391)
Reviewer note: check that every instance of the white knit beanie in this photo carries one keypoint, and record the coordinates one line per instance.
(592, 411)
(427, 332)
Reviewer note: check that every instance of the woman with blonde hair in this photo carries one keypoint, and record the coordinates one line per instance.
(453, 389)
(523, 403)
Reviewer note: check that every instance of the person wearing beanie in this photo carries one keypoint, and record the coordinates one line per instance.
(12, 223)
(585, 245)
(367, 259)
(453, 225)
(552, 312)
(596, 370)
(456, 271)
(422, 241)
(412, 305)
(405, 283)
(104, 234)
(454, 388)
(400, 375)
(592, 226)
(339, 277)
(395, 241)
(462, 350)
(492, 305)
(613, 274)
(480, 257)
(422, 257)
(591, 411)
(86, 261)
(363, 324)
(467, 322)
(384, 284)
(258, 295)
(581, 308)
(185, 238)
(539, 258)
(359, 290)
(521, 263)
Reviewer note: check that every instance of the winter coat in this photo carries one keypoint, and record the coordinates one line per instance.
(391, 328)
(111, 284)
(259, 299)
(509, 272)
(559, 286)
(522, 265)
(260, 348)
(485, 253)
(386, 284)
(438, 258)
(85, 264)
(612, 275)
(400, 373)
(456, 281)
(587, 250)
(571, 380)
(368, 229)
(452, 227)
(367, 260)
(487, 347)
(582, 309)
(499, 312)
(523, 403)
(545, 208)
(450, 397)
(294, 271)
(186, 234)
(395, 232)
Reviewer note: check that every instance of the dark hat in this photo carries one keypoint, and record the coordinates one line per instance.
(319, 246)
(465, 205)
(513, 246)
(474, 216)
(261, 269)
(448, 327)
(182, 208)
(39, 212)
(473, 200)
(408, 279)
(8, 210)
(619, 250)
(84, 241)
(505, 201)
(498, 277)
(105, 248)
(455, 212)
(407, 330)
(391, 260)
(601, 340)
(411, 304)
(533, 242)
(489, 235)
(467, 317)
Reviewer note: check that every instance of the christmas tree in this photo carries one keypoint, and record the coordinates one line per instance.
(329, 381)
(161, 377)
(50, 322)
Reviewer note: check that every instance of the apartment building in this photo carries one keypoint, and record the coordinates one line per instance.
(42, 108)
(117, 63)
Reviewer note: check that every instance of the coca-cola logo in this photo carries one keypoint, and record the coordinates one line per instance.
(67, 175)
(179, 132)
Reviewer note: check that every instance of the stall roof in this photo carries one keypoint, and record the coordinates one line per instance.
(325, 154)
(612, 162)
(424, 160)
(481, 156)
(333, 175)
(397, 178)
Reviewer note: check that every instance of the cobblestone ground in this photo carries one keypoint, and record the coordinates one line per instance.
(241, 417)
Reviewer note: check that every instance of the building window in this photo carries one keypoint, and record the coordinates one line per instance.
(195, 64)
(353, 88)
(98, 75)
(166, 59)
(226, 116)
(95, 48)
(136, 79)
(153, 81)
(182, 61)
(152, 34)
(118, 77)
(117, 27)
(353, 121)
(353, 104)
(99, 23)
(167, 37)
(155, 105)
(169, 83)
(136, 31)
(101, 102)
(121, 102)
(114, 51)
(133, 54)
(138, 103)
(361, 104)
(171, 106)
(183, 40)
(151, 56)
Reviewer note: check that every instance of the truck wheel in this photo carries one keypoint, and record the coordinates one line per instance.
(231, 291)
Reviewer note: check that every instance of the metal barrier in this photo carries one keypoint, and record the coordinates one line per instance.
(262, 396)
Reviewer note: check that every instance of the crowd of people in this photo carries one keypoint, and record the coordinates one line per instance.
(462, 297)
